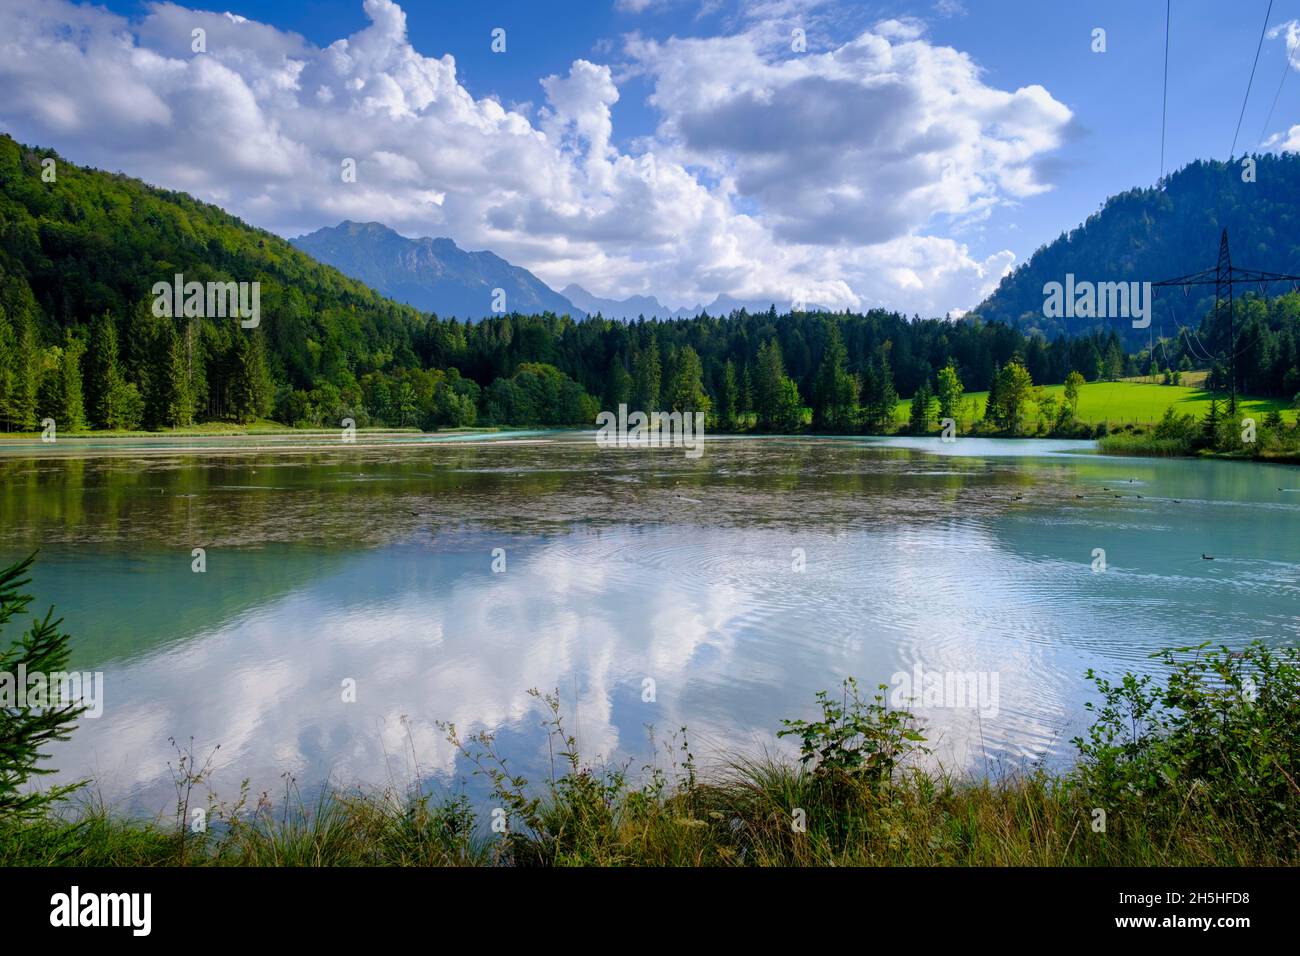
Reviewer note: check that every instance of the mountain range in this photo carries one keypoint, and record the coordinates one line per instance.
(651, 308)
(433, 275)
(436, 275)
(1140, 235)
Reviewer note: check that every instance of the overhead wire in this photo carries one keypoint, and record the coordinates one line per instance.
(1164, 98)
(1286, 68)
(1251, 81)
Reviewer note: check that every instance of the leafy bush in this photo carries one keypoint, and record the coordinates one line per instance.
(1224, 730)
(854, 738)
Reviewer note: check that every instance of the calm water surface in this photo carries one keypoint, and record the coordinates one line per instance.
(375, 563)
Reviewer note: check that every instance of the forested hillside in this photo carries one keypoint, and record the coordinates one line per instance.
(78, 258)
(1145, 235)
(80, 343)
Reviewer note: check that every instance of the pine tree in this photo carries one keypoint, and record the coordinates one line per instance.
(993, 404)
(196, 377)
(8, 375)
(787, 415)
(167, 401)
(920, 418)
(125, 407)
(1210, 424)
(685, 392)
(834, 391)
(646, 375)
(72, 408)
(745, 394)
(727, 397)
(27, 381)
(250, 382)
(103, 370)
(618, 384)
(888, 393)
(112, 401)
(879, 396)
(22, 361)
(768, 393)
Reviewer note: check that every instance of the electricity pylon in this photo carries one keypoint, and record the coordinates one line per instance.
(1224, 277)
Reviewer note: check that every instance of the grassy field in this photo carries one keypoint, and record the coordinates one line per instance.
(1131, 402)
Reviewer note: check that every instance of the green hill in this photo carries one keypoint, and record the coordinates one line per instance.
(1145, 235)
(81, 251)
(91, 243)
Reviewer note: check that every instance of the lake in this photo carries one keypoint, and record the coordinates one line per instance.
(441, 579)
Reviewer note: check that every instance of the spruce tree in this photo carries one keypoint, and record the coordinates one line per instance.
(879, 396)
(993, 404)
(833, 390)
(103, 371)
(8, 373)
(72, 405)
(745, 393)
(27, 384)
(618, 384)
(768, 394)
(685, 392)
(920, 418)
(727, 397)
(646, 377)
(1210, 425)
(250, 382)
(167, 403)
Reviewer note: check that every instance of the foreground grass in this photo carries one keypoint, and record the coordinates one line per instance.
(744, 817)
(1198, 771)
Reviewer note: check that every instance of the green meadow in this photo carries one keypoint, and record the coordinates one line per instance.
(1121, 403)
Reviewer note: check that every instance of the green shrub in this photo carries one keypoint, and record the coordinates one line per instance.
(854, 738)
(1222, 733)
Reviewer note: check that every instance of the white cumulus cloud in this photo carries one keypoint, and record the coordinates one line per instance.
(830, 173)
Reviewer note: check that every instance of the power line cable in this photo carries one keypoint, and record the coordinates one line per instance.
(1285, 70)
(1251, 81)
(1164, 99)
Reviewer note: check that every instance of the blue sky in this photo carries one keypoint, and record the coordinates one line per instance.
(1096, 131)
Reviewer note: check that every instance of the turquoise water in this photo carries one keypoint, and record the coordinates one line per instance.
(739, 583)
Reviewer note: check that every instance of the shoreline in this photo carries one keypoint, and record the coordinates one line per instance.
(252, 442)
(1208, 788)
